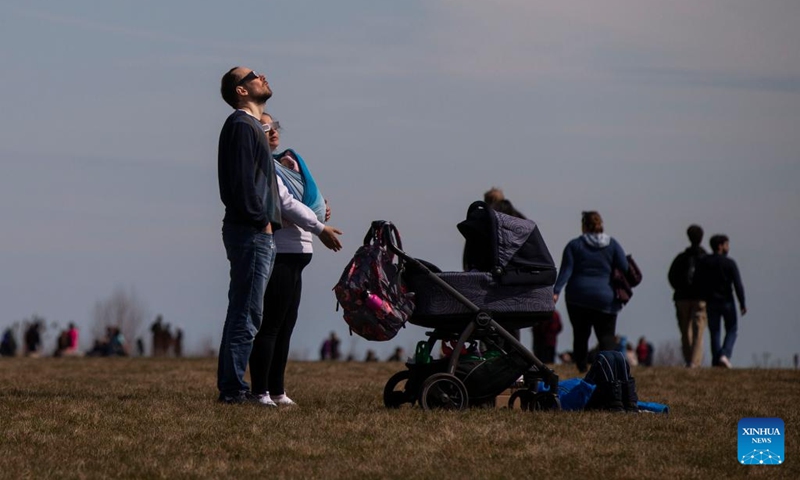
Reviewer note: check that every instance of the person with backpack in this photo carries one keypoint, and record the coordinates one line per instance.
(586, 268)
(690, 307)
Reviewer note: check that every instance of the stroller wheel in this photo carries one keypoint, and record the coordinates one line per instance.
(443, 391)
(525, 398)
(394, 393)
(545, 402)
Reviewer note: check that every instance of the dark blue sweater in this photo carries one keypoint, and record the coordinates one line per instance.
(717, 274)
(247, 184)
(586, 272)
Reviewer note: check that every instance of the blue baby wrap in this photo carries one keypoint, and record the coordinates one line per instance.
(301, 184)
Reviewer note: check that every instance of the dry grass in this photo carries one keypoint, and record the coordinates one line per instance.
(157, 418)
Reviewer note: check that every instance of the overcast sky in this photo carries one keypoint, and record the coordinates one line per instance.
(657, 114)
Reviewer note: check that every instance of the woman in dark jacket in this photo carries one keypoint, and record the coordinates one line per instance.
(586, 269)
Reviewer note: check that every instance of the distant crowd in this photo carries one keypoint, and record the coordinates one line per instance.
(111, 344)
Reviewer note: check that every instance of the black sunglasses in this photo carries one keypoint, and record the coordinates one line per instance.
(250, 76)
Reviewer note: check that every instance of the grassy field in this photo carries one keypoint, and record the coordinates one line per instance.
(158, 418)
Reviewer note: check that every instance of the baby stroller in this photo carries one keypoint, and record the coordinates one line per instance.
(507, 284)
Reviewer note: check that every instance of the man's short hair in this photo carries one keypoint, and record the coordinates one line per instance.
(695, 233)
(717, 240)
(228, 88)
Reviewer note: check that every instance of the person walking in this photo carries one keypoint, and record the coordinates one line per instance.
(586, 268)
(303, 210)
(690, 308)
(719, 278)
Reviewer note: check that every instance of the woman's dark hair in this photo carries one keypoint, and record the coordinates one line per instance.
(227, 88)
(505, 206)
(592, 222)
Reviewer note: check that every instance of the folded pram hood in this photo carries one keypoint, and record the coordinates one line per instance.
(508, 247)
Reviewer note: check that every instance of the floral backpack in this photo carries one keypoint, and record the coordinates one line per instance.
(371, 291)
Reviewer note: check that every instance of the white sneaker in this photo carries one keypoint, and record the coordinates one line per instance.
(282, 400)
(265, 399)
(725, 362)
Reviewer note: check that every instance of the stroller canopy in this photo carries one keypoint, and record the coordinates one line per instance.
(511, 249)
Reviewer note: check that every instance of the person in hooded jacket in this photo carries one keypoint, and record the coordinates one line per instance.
(586, 267)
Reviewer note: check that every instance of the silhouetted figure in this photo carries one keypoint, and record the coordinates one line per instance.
(8, 345)
(690, 307)
(140, 347)
(62, 343)
(397, 356)
(67, 345)
(371, 357)
(101, 346)
(163, 341)
(719, 278)
(796, 361)
(33, 339)
(330, 348)
(157, 328)
(111, 345)
(73, 340)
(545, 337)
(178, 343)
(644, 352)
(117, 344)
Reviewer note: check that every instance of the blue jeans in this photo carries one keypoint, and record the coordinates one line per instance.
(716, 312)
(251, 254)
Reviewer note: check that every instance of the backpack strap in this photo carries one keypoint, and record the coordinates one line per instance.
(381, 232)
(372, 232)
(389, 231)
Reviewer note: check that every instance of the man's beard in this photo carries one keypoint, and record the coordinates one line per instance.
(263, 97)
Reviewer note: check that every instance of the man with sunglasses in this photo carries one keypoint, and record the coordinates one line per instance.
(249, 190)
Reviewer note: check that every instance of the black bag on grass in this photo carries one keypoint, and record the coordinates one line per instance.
(615, 388)
(488, 377)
